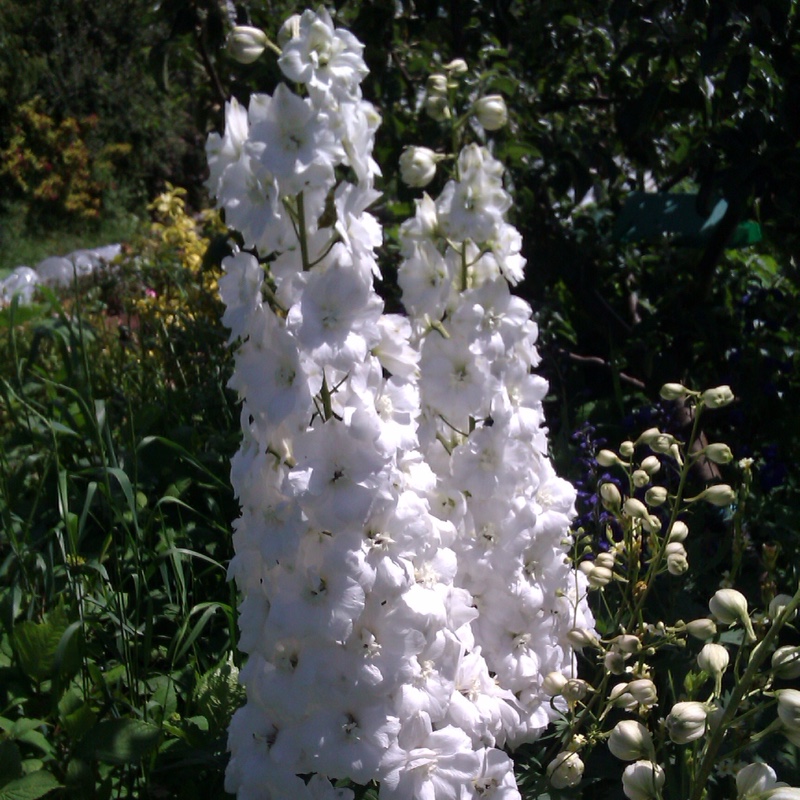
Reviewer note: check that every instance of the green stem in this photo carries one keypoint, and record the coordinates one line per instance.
(301, 233)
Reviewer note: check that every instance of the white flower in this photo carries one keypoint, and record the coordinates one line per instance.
(754, 780)
(428, 763)
(325, 58)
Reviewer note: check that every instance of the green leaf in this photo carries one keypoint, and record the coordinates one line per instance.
(41, 647)
(218, 694)
(119, 741)
(30, 787)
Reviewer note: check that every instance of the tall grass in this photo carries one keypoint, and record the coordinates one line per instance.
(117, 652)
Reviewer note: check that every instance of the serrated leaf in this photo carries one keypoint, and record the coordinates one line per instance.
(119, 741)
(30, 787)
(218, 694)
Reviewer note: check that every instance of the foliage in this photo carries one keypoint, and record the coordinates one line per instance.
(119, 634)
(53, 170)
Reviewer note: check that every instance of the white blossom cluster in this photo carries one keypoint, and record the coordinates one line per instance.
(400, 549)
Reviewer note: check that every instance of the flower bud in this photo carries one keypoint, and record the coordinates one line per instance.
(581, 637)
(606, 560)
(643, 690)
(778, 603)
(678, 532)
(720, 495)
(661, 443)
(599, 577)
(651, 465)
(626, 449)
(246, 44)
(789, 708)
(608, 458)
(677, 563)
(648, 436)
(610, 496)
(630, 740)
(553, 683)
(642, 780)
(574, 690)
(651, 523)
(728, 606)
(628, 643)
(655, 496)
(713, 659)
(614, 662)
(673, 391)
(417, 166)
(620, 697)
(786, 662)
(686, 722)
(640, 478)
(437, 84)
(675, 548)
(701, 628)
(635, 508)
(565, 770)
(491, 112)
(457, 66)
(719, 453)
(754, 780)
(437, 107)
(717, 397)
